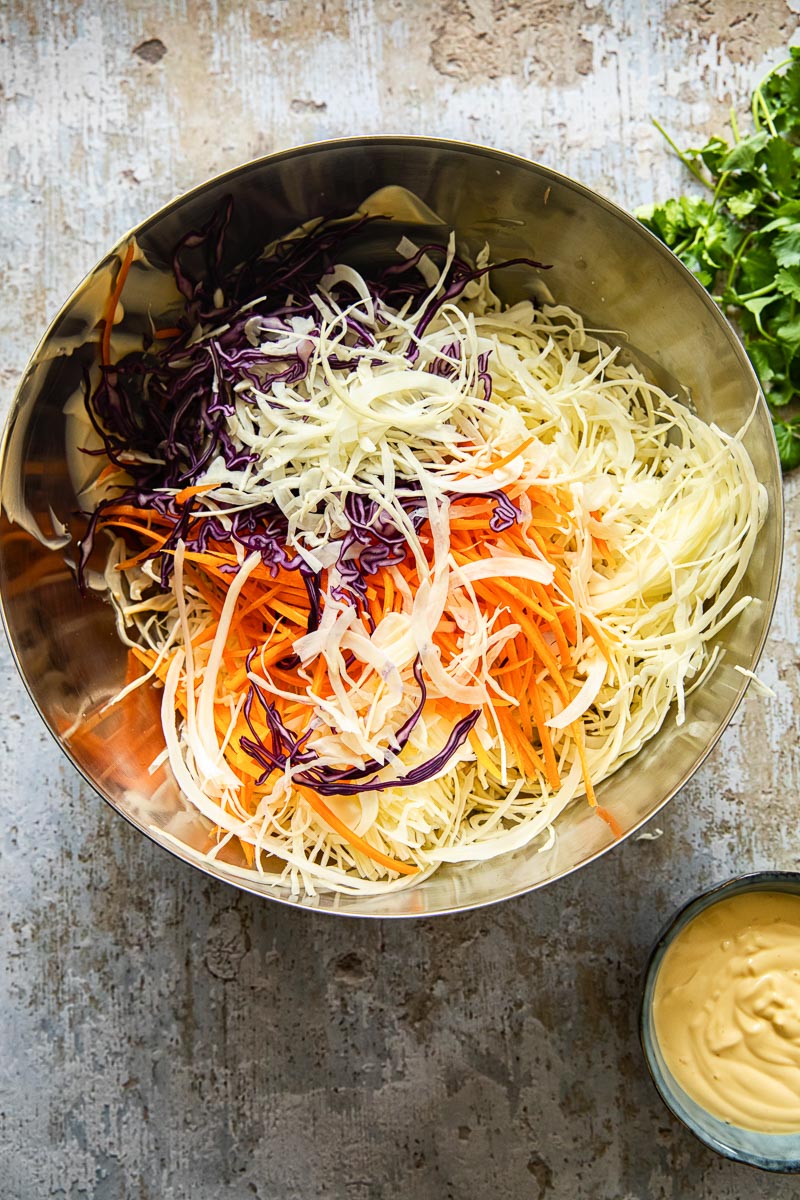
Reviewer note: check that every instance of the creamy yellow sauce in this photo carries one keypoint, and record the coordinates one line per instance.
(726, 1009)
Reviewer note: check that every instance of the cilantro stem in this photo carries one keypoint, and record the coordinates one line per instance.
(720, 184)
(767, 336)
(737, 258)
(734, 126)
(758, 90)
(687, 162)
(758, 96)
(764, 291)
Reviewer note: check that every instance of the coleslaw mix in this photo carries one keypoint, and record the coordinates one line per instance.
(412, 568)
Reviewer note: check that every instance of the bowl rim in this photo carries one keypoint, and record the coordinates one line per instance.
(479, 151)
(749, 881)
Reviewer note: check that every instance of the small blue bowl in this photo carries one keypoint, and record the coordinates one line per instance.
(769, 1151)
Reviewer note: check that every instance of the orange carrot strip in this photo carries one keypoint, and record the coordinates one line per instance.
(555, 624)
(108, 470)
(147, 518)
(610, 820)
(551, 766)
(388, 592)
(186, 493)
(124, 524)
(544, 652)
(481, 755)
(566, 615)
(547, 500)
(376, 609)
(602, 546)
(578, 734)
(171, 331)
(451, 710)
(215, 560)
(499, 672)
(158, 541)
(525, 718)
(463, 523)
(113, 301)
(507, 458)
(144, 655)
(483, 586)
(528, 760)
(329, 816)
(600, 640)
(285, 610)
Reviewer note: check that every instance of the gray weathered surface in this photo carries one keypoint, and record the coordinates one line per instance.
(165, 1037)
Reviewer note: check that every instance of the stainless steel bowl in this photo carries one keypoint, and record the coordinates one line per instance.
(603, 263)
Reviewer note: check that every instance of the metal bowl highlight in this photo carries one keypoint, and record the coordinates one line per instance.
(604, 264)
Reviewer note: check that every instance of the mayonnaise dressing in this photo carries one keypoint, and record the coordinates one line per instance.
(726, 1010)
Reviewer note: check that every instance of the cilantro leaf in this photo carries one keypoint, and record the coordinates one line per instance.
(743, 204)
(787, 282)
(757, 267)
(743, 155)
(767, 359)
(779, 165)
(712, 154)
(787, 435)
(675, 220)
(789, 334)
(757, 304)
(705, 273)
(786, 246)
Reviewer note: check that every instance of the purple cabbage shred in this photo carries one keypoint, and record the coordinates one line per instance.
(286, 749)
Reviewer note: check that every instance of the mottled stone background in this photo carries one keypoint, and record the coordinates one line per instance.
(164, 1037)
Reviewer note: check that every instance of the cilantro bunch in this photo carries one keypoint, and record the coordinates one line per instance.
(743, 243)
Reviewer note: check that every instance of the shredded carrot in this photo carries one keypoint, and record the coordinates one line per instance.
(146, 518)
(507, 458)
(329, 816)
(551, 766)
(140, 529)
(610, 820)
(528, 760)
(107, 472)
(601, 543)
(483, 759)
(578, 736)
(599, 638)
(186, 493)
(113, 301)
